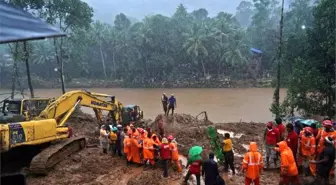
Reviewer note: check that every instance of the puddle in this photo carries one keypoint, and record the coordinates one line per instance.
(232, 134)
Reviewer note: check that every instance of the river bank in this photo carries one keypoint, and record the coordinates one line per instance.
(151, 83)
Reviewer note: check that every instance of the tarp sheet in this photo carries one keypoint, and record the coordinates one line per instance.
(18, 25)
(254, 50)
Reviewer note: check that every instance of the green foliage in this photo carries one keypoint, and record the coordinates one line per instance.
(311, 88)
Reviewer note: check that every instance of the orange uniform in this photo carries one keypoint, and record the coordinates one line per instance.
(175, 155)
(157, 140)
(135, 150)
(143, 136)
(288, 170)
(253, 164)
(127, 148)
(148, 150)
(307, 151)
(321, 135)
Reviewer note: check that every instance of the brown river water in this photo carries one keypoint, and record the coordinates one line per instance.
(222, 105)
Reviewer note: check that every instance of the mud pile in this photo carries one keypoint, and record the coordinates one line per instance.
(84, 125)
(187, 130)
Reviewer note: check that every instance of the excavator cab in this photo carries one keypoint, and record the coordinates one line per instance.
(16, 110)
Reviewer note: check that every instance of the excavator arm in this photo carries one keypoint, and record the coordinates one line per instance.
(62, 108)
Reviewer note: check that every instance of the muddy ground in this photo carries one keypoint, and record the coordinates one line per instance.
(91, 167)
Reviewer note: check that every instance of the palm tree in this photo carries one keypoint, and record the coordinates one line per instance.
(196, 45)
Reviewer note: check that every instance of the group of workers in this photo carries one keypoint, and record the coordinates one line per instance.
(143, 147)
(168, 103)
(140, 146)
(310, 151)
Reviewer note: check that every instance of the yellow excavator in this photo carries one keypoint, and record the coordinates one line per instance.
(50, 127)
(22, 109)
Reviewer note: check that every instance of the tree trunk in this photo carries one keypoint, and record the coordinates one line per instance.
(277, 88)
(14, 69)
(102, 59)
(26, 57)
(114, 65)
(203, 68)
(60, 64)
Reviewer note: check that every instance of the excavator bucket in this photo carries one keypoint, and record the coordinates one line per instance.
(215, 143)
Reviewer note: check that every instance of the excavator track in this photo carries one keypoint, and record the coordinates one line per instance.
(52, 155)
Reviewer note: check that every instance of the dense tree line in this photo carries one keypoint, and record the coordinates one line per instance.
(189, 48)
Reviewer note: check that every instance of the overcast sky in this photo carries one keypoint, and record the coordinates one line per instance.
(106, 10)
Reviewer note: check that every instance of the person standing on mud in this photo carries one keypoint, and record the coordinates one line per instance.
(253, 165)
(271, 137)
(281, 127)
(210, 170)
(289, 173)
(292, 139)
(164, 101)
(165, 156)
(171, 104)
(228, 154)
(325, 161)
(120, 139)
(103, 138)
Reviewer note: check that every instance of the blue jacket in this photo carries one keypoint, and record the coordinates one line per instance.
(172, 101)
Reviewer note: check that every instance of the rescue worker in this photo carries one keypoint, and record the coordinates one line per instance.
(174, 152)
(280, 126)
(121, 135)
(292, 139)
(171, 104)
(288, 170)
(271, 137)
(148, 152)
(164, 101)
(157, 145)
(307, 150)
(252, 164)
(113, 141)
(135, 150)
(325, 161)
(228, 154)
(326, 131)
(127, 148)
(210, 170)
(165, 156)
(103, 138)
(194, 169)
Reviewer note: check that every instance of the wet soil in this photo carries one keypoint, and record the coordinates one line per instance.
(91, 167)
